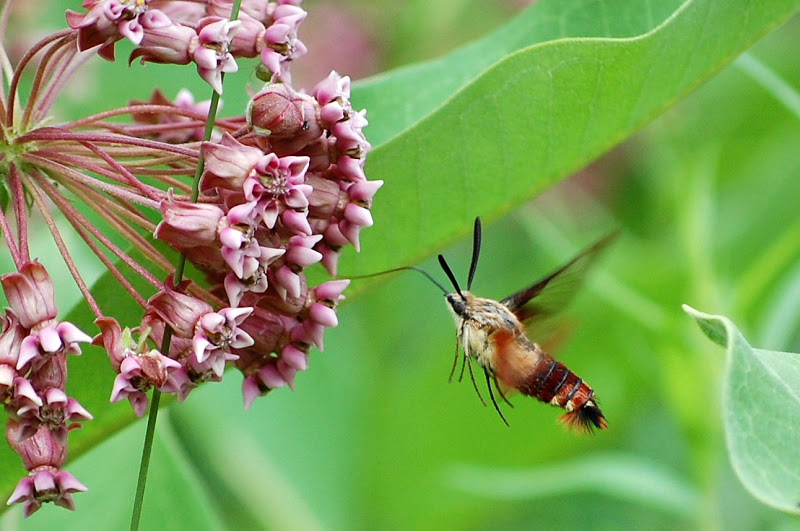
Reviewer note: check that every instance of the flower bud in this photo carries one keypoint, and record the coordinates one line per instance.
(30, 294)
(276, 111)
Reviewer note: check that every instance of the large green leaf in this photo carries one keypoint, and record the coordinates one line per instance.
(761, 412)
(534, 116)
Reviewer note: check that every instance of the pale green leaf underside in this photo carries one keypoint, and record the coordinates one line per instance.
(761, 412)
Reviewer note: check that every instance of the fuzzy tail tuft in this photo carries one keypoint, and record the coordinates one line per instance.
(585, 418)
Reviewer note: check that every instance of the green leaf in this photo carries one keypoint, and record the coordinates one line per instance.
(511, 124)
(761, 412)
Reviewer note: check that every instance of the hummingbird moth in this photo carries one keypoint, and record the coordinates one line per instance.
(493, 333)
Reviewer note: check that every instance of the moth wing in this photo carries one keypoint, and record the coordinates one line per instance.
(551, 294)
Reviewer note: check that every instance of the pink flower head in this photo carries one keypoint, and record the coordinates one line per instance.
(333, 95)
(261, 382)
(282, 44)
(211, 55)
(55, 412)
(300, 254)
(238, 236)
(278, 186)
(218, 333)
(30, 294)
(138, 373)
(49, 341)
(46, 485)
(43, 457)
(327, 295)
(24, 398)
(107, 22)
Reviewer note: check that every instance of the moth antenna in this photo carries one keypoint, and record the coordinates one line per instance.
(476, 251)
(450, 275)
(404, 268)
(491, 395)
(474, 383)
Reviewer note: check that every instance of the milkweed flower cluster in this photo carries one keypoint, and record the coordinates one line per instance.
(282, 189)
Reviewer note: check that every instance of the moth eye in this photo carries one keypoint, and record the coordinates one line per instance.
(457, 304)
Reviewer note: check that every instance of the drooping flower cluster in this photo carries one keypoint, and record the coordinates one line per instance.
(282, 189)
(33, 374)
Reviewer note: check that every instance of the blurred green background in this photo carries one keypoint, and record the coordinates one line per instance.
(374, 437)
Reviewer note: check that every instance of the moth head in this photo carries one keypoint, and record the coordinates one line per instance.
(457, 302)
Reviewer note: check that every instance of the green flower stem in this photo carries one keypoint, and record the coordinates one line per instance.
(180, 268)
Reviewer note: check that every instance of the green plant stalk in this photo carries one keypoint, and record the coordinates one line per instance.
(180, 268)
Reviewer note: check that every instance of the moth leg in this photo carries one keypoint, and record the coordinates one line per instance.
(472, 377)
(491, 394)
(455, 363)
(501, 393)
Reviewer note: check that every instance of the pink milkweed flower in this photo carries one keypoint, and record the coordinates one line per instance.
(55, 412)
(107, 22)
(278, 186)
(50, 340)
(43, 457)
(327, 295)
(24, 398)
(238, 236)
(139, 372)
(260, 383)
(283, 188)
(10, 341)
(211, 55)
(217, 333)
(254, 277)
(282, 44)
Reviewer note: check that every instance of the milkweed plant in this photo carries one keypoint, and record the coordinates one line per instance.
(249, 202)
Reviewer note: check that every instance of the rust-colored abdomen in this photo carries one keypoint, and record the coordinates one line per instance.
(553, 383)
